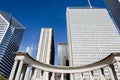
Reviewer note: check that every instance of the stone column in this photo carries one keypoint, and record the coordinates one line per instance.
(27, 72)
(32, 73)
(13, 70)
(19, 70)
(23, 72)
(112, 69)
(91, 75)
(35, 73)
(71, 76)
(118, 65)
(53, 76)
(111, 73)
(81, 76)
(62, 76)
(101, 73)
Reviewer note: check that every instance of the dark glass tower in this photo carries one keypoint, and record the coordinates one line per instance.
(114, 7)
(11, 32)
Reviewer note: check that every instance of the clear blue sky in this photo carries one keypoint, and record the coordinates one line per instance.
(34, 14)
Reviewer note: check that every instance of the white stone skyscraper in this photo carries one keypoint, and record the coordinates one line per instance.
(45, 52)
(63, 59)
(63, 54)
(11, 32)
(92, 35)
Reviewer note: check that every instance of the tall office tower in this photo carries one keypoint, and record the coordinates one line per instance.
(63, 59)
(114, 7)
(11, 32)
(63, 54)
(45, 52)
(92, 35)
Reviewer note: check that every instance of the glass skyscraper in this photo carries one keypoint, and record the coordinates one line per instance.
(11, 32)
(92, 36)
(114, 7)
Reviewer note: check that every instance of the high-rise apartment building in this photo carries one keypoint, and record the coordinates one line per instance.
(45, 52)
(114, 8)
(11, 32)
(92, 36)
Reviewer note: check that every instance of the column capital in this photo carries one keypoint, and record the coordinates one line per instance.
(116, 59)
(20, 58)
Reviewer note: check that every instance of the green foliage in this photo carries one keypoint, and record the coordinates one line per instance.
(2, 78)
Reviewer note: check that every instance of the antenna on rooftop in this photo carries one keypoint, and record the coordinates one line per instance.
(89, 4)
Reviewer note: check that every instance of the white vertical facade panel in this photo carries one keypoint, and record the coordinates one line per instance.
(44, 50)
(3, 27)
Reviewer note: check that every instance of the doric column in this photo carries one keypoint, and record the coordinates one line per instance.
(32, 74)
(112, 71)
(45, 75)
(19, 70)
(101, 73)
(62, 76)
(53, 76)
(13, 70)
(71, 76)
(91, 75)
(35, 73)
(81, 76)
(118, 65)
(27, 72)
(23, 72)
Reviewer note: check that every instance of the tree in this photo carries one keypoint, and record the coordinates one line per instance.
(2, 78)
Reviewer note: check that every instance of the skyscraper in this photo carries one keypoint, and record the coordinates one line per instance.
(63, 59)
(11, 32)
(63, 54)
(45, 52)
(92, 35)
(114, 8)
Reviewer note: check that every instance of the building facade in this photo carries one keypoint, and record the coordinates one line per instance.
(114, 8)
(11, 32)
(63, 59)
(45, 52)
(92, 36)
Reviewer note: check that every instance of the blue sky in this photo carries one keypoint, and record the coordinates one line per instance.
(35, 14)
